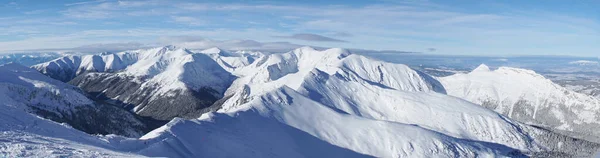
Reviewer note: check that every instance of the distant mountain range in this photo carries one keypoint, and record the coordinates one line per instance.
(302, 103)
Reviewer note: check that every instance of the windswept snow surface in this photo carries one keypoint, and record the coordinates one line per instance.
(528, 97)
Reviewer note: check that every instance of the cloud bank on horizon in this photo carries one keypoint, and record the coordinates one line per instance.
(458, 27)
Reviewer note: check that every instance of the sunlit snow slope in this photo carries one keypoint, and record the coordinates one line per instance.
(360, 104)
(528, 97)
(26, 89)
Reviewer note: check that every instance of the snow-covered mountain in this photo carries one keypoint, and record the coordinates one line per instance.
(231, 61)
(303, 103)
(68, 67)
(528, 97)
(273, 71)
(585, 63)
(28, 59)
(146, 81)
(356, 103)
(25, 89)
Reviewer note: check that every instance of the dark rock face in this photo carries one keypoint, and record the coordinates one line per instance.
(125, 91)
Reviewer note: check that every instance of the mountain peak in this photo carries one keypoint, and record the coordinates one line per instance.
(305, 48)
(169, 47)
(481, 68)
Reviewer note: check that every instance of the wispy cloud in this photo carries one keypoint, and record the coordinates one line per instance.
(240, 45)
(342, 34)
(102, 9)
(311, 37)
(404, 25)
(108, 47)
(85, 2)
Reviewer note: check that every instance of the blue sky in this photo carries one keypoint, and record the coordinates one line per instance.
(457, 27)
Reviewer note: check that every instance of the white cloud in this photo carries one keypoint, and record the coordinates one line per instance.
(84, 2)
(240, 45)
(311, 37)
(407, 25)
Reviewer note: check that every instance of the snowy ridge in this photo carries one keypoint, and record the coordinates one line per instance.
(286, 106)
(169, 65)
(528, 97)
(448, 115)
(180, 69)
(357, 86)
(68, 67)
(275, 70)
(145, 81)
(28, 59)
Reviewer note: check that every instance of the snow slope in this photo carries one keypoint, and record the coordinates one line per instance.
(25, 135)
(372, 89)
(26, 89)
(273, 71)
(24, 92)
(261, 129)
(528, 97)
